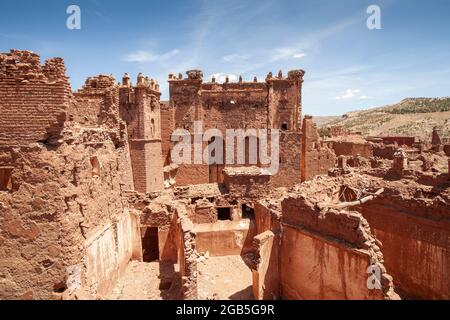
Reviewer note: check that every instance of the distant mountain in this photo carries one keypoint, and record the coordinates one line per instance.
(410, 117)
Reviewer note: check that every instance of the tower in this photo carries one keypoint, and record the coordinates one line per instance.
(140, 109)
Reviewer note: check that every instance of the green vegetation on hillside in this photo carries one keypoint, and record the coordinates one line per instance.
(410, 117)
(420, 105)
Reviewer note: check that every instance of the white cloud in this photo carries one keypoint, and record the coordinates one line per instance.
(348, 94)
(235, 57)
(147, 56)
(287, 53)
(364, 97)
(220, 77)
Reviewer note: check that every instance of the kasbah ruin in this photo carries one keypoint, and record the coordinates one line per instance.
(92, 207)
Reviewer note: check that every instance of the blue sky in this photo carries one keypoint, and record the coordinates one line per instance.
(347, 65)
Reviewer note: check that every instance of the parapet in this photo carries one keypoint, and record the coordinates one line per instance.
(293, 75)
(142, 81)
(197, 76)
(98, 84)
(25, 66)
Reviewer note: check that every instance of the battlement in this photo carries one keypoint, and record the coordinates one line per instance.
(141, 82)
(25, 66)
(196, 76)
(97, 84)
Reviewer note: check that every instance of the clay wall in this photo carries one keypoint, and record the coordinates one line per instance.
(266, 282)
(34, 98)
(225, 238)
(64, 192)
(347, 148)
(407, 141)
(415, 245)
(327, 257)
(316, 159)
(383, 151)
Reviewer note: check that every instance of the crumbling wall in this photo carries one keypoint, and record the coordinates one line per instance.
(349, 148)
(327, 256)
(415, 243)
(289, 172)
(264, 258)
(246, 182)
(225, 238)
(316, 159)
(187, 258)
(266, 281)
(65, 230)
(59, 202)
(384, 151)
(167, 128)
(34, 98)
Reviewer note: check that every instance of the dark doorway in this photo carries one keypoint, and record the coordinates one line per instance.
(5, 179)
(224, 213)
(248, 212)
(150, 245)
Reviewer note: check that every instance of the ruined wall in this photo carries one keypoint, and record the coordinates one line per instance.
(265, 258)
(348, 148)
(51, 218)
(249, 183)
(64, 230)
(415, 244)
(327, 257)
(33, 98)
(225, 238)
(316, 159)
(384, 151)
(167, 127)
(289, 172)
(187, 257)
(266, 281)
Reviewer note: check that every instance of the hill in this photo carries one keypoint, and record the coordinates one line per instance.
(410, 117)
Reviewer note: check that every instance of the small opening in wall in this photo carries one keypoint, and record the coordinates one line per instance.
(224, 213)
(150, 244)
(95, 167)
(284, 126)
(5, 179)
(60, 287)
(247, 212)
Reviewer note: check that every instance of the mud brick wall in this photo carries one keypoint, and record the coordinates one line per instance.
(327, 257)
(96, 102)
(316, 159)
(284, 103)
(346, 148)
(34, 98)
(416, 245)
(167, 128)
(275, 103)
(234, 107)
(63, 192)
(289, 172)
(383, 151)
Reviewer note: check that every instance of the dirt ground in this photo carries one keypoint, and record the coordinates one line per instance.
(224, 278)
(148, 281)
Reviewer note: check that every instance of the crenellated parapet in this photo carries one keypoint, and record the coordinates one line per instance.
(25, 66)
